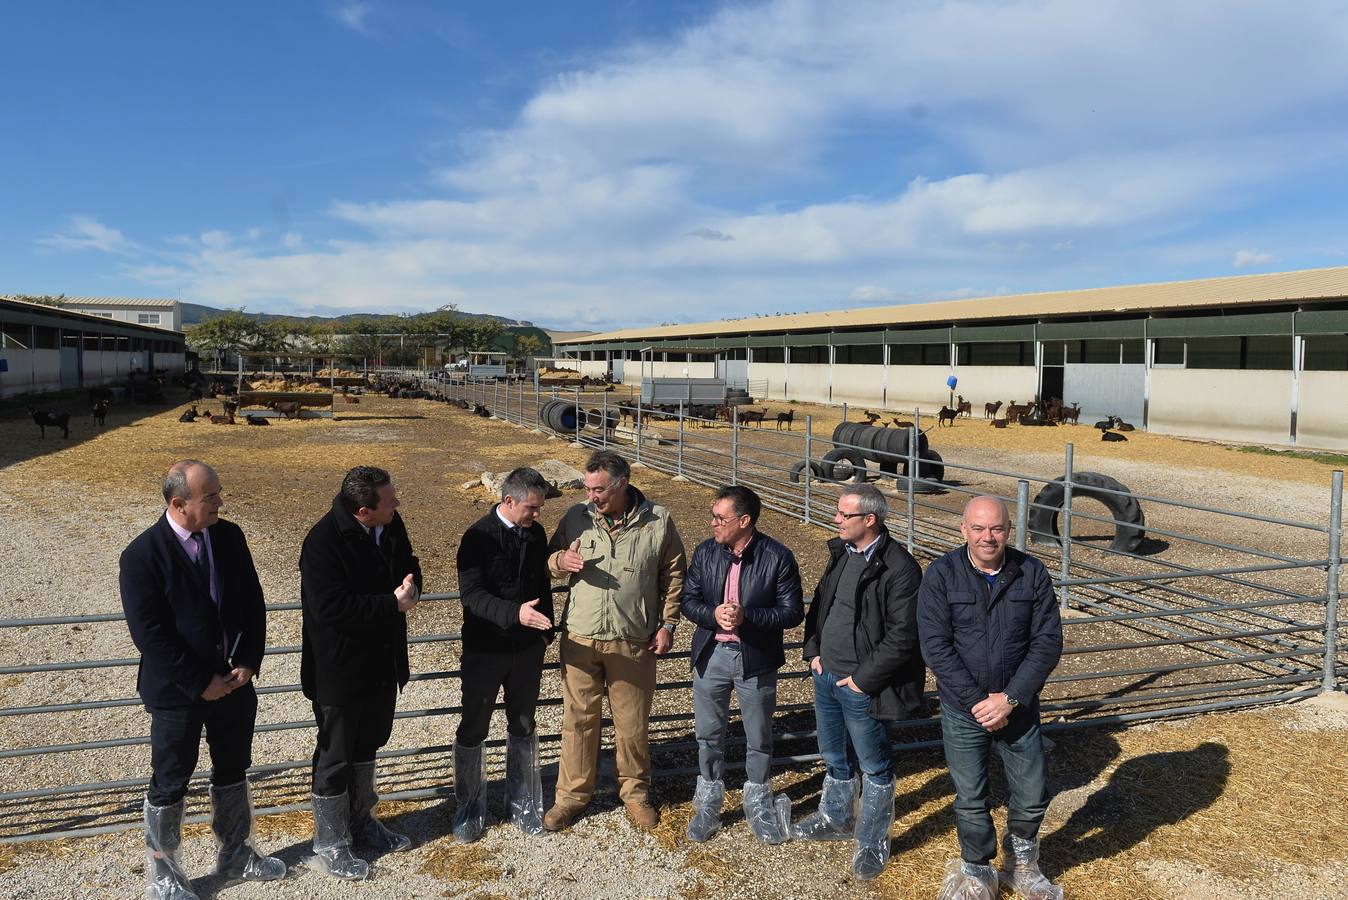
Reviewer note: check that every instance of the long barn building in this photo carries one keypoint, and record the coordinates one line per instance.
(1252, 358)
(46, 348)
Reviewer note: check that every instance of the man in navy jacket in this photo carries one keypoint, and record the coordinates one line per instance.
(507, 625)
(742, 590)
(990, 631)
(194, 607)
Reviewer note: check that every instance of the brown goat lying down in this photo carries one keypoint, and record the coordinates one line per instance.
(290, 408)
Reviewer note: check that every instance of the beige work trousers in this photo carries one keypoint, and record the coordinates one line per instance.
(627, 671)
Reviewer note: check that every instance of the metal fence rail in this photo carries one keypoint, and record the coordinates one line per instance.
(1222, 626)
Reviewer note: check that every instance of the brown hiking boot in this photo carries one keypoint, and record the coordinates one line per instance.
(559, 817)
(643, 814)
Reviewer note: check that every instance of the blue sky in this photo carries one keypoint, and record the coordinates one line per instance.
(599, 165)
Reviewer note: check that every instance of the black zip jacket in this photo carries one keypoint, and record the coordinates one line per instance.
(769, 595)
(890, 665)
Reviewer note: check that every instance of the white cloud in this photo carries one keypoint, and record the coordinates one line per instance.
(87, 233)
(1246, 258)
(352, 16)
(1034, 141)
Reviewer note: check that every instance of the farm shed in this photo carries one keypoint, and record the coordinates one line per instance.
(1261, 358)
(44, 348)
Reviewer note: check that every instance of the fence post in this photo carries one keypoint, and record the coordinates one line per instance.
(1065, 528)
(679, 473)
(808, 471)
(506, 407)
(1331, 679)
(735, 444)
(538, 406)
(1022, 513)
(580, 416)
(638, 426)
(912, 490)
(521, 405)
(844, 411)
(604, 424)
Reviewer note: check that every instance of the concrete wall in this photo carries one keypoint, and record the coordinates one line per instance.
(772, 373)
(672, 369)
(1225, 404)
(988, 384)
(30, 372)
(808, 382)
(1322, 410)
(918, 386)
(596, 368)
(172, 363)
(859, 385)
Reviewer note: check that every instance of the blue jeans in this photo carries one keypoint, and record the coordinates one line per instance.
(967, 745)
(848, 737)
(723, 672)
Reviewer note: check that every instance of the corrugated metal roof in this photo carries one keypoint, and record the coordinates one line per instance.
(118, 301)
(1238, 290)
(63, 312)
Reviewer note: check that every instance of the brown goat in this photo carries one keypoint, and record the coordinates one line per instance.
(990, 409)
(788, 417)
(964, 407)
(946, 417)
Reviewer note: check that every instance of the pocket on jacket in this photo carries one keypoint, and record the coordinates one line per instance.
(964, 609)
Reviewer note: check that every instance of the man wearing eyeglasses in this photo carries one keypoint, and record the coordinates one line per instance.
(990, 631)
(743, 591)
(625, 564)
(861, 643)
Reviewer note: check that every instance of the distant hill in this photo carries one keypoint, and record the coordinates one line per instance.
(196, 313)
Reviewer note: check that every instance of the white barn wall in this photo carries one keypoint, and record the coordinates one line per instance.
(1224, 404)
(988, 384)
(808, 382)
(859, 385)
(30, 372)
(918, 386)
(1322, 410)
(772, 373)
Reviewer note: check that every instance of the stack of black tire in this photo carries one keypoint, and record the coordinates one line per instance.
(857, 443)
(561, 416)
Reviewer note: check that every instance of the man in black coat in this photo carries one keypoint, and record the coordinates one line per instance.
(861, 643)
(507, 623)
(194, 607)
(358, 580)
(992, 634)
(743, 591)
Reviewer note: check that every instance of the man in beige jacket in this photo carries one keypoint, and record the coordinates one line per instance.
(625, 563)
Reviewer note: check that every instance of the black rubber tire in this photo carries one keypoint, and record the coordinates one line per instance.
(799, 468)
(843, 463)
(930, 466)
(545, 413)
(1130, 521)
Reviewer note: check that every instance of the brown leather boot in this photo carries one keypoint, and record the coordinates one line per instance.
(559, 817)
(643, 814)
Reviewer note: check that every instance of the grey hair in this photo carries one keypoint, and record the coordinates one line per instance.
(522, 482)
(869, 500)
(609, 462)
(175, 481)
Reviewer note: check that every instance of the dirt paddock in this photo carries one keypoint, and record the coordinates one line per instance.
(1248, 804)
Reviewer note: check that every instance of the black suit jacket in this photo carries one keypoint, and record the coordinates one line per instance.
(182, 637)
(497, 574)
(355, 638)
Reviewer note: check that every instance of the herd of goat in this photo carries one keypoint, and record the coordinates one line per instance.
(1051, 412)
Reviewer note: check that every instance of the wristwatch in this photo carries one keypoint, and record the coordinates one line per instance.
(1010, 701)
(670, 627)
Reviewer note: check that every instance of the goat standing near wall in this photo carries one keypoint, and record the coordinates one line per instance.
(43, 418)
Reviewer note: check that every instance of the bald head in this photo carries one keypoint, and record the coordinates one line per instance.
(178, 480)
(986, 523)
(192, 494)
(986, 504)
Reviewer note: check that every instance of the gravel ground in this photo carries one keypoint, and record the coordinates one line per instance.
(70, 509)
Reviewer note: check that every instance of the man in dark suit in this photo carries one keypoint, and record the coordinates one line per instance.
(194, 607)
(358, 580)
(507, 623)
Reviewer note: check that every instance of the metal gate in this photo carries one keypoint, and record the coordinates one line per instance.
(1105, 389)
(616, 370)
(70, 367)
(732, 370)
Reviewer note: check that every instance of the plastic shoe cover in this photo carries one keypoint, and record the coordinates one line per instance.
(524, 784)
(836, 816)
(707, 802)
(232, 822)
(873, 824)
(769, 817)
(1022, 870)
(967, 881)
(366, 830)
(164, 879)
(470, 813)
(332, 839)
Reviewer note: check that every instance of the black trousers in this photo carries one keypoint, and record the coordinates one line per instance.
(348, 734)
(484, 675)
(175, 743)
